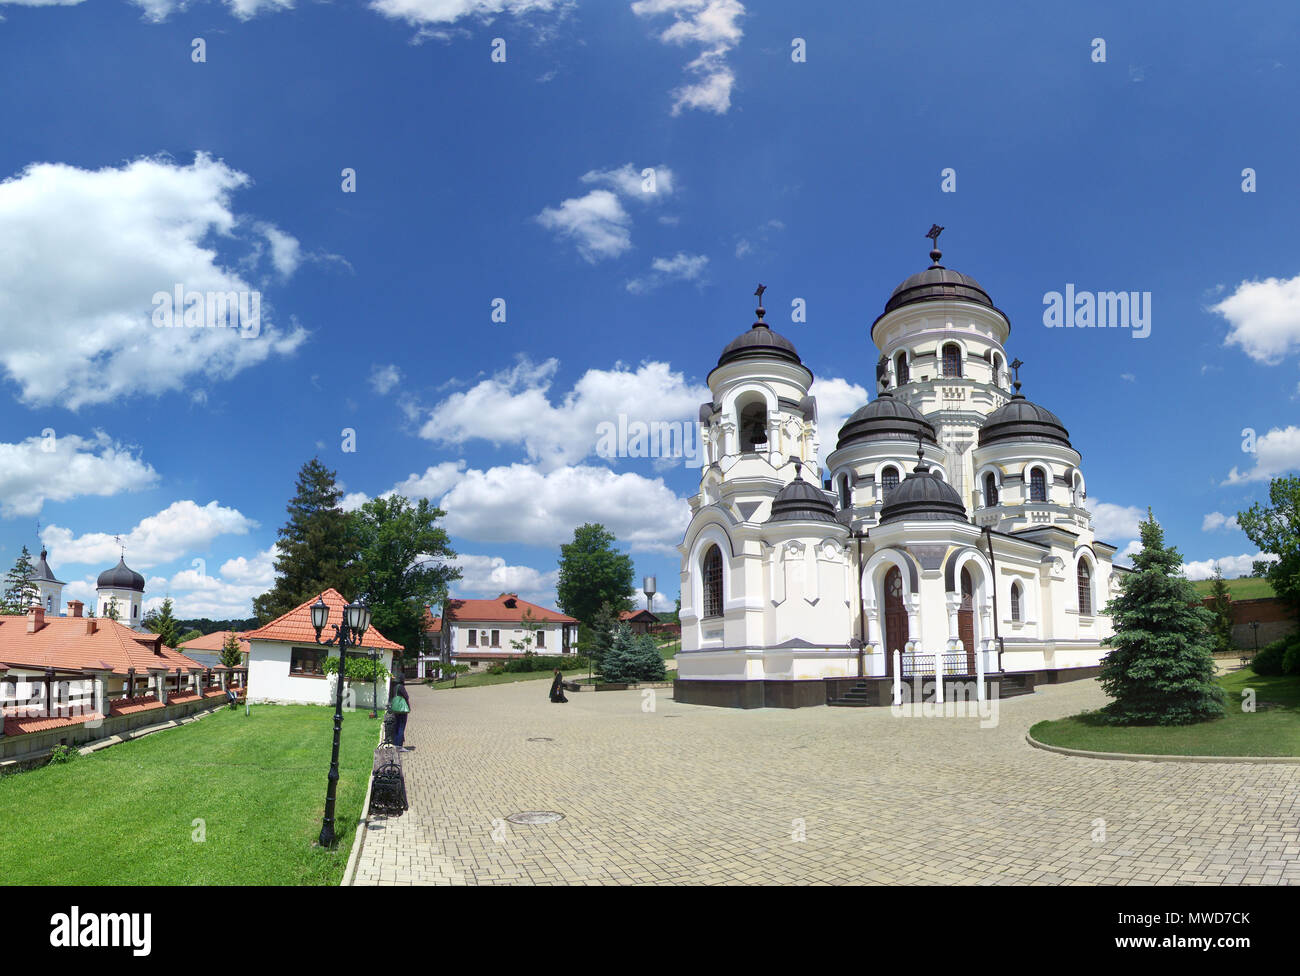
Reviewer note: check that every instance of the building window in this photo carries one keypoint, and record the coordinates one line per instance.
(496, 638)
(307, 660)
(1015, 602)
(753, 427)
(473, 638)
(990, 489)
(1085, 589)
(952, 359)
(901, 370)
(1037, 486)
(888, 481)
(712, 576)
(845, 495)
(49, 604)
(541, 638)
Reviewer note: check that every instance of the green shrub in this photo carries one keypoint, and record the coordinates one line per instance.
(64, 754)
(1291, 656)
(359, 668)
(1269, 661)
(632, 658)
(497, 669)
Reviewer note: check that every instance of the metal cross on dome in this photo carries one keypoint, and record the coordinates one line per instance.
(933, 233)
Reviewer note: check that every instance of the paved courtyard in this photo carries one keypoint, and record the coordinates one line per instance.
(694, 794)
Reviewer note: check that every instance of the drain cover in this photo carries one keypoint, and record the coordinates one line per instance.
(541, 738)
(535, 817)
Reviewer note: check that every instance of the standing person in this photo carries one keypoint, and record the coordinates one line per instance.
(557, 687)
(400, 705)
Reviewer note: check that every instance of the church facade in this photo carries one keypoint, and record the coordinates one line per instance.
(949, 533)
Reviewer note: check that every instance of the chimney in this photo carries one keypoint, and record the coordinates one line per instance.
(75, 607)
(91, 625)
(35, 618)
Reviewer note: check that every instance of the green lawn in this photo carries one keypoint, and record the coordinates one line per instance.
(1246, 588)
(481, 678)
(1272, 730)
(125, 815)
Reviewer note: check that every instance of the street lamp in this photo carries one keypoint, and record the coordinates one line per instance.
(356, 618)
(1254, 625)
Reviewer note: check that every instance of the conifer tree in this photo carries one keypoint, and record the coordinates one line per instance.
(1160, 670)
(1221, 608)
(232, 655)
(163, 624)
(20, 591)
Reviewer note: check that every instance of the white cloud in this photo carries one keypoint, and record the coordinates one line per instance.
(82, 254)
(714, 25)
(181, 528)
(627, 180)
(836, 400)
(384, 378)
(418, 12)
(435, 482)
(680, 267)
(1277, 452)
(521, 504)
(486, 576)
(1115, 521)
(596, 223)
(514, 407)
(1215, 521)
(1263, 318)
(57, 469)
(286, 251)
(41, 3)
(353, 500)
(1230, 566)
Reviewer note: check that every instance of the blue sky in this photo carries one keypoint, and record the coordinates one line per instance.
(129, 168)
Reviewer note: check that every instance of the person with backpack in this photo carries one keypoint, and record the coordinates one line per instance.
(400, 705)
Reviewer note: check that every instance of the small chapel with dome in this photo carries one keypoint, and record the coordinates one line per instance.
(950, 529)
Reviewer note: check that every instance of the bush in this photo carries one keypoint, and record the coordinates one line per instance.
(1291, 657)
(538, 662)
(1269, 661)
(632, 658)
(497, 669)
(64, 754)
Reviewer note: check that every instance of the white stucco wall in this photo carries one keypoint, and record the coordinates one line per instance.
(269, 679)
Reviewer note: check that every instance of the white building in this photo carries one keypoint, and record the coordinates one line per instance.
(125, 586)
(50, 589)
(951, 526)
(482, 632)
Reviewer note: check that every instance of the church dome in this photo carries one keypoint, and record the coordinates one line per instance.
(759, 341)
(885, 418)
(923, 495)
(937, 283)
(121, 577)
(800, 501)
(43, 573)
(1020, 420)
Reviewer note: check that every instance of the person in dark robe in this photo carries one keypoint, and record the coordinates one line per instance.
(400, 714)
(557, 687)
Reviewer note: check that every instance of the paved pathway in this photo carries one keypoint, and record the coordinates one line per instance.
(693, 794)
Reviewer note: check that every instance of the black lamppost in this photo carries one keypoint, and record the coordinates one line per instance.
(374, 682)
(1254, 625)
(356, 618)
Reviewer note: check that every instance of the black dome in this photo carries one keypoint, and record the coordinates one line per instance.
(937, 283)
(122, 577)
(800, 501)
(886, 418)
(1020, 420)
(759, 341)
(923, 495)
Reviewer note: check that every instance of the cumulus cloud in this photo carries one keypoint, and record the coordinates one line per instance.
(1263, 318)
(680, 267)
(484, 577)
(596, 223)
(515, 407)
(652, 184)
(1277, 452)
(56, 469)
(180, 529)
(714, 27)
(82, 255)
(836, 400)
(384, 378)
(420, 12)
(1117, 522)
(1230, 566)
(1216, 521)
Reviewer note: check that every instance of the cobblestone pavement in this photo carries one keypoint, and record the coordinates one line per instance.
(694, 794)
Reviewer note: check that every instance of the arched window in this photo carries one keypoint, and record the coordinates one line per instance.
(753, 427)
(712, 577)
(952, 359)
(888, 481)
(997, 369)
(846, 499)
(49, 603)
(901, 370)
(990, 490)
(1037, 486)
(1015, 602)
(1085, 589)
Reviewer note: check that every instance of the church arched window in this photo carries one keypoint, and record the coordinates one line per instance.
(952, 359)
(753, 427)
(1037, 485)
(1085, 588)
(1015, 602)
(846, 494)
(990, 490)
(49, 603)
(997, 370)
(888, 481)
(711, 574)
(901, 370)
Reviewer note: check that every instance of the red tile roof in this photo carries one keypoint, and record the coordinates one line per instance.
(501, 611)
(295, 626)
(429, 623)
(21, 726)
(63, 644)
(636, 615)
(212, 643)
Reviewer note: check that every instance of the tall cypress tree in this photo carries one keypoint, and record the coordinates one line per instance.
(1221, 608)
(316, 546)
(20, 591)
(1160, 670)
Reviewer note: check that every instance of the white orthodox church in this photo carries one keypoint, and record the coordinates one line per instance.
(120, 587)
(949, 531)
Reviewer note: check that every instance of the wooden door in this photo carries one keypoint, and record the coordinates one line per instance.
(966, 620)
(895, 618)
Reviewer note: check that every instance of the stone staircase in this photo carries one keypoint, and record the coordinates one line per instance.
(855, 697)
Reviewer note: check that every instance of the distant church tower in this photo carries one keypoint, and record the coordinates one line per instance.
(128, 586)
(51, 589)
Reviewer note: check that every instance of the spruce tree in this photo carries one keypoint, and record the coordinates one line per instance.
(20, 591)
(316, 549)
(1221, 608)
(232, 656)
(1160, 670)
(616, 663)
(163, 624)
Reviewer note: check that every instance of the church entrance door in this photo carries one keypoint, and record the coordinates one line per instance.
(966, 620)
(895, 618)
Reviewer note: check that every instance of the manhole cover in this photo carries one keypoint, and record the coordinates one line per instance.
(541, 738)
(535, 817)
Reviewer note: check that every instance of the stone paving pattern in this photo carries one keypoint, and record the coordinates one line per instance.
(701, 795)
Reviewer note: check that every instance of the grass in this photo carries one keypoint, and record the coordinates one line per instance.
(125, 815)
(1245, 588)
(481, 678)
(1272, 730)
